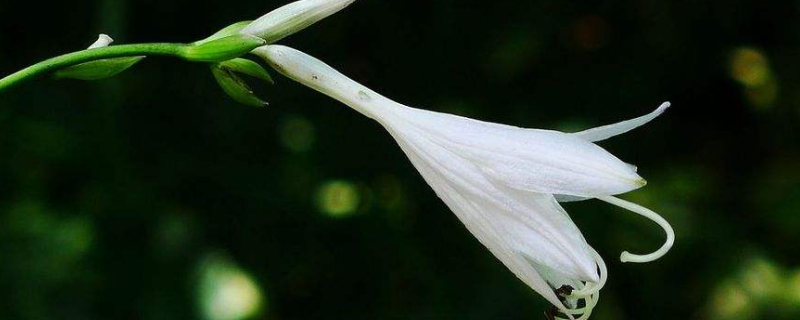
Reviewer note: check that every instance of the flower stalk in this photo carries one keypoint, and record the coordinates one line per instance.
(231, 42)
(99, 69)
(67, 60)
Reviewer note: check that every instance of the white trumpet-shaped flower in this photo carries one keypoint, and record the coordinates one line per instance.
(503, 182)
(292, 18)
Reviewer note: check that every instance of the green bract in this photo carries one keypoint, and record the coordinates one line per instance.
(248, 67)
(226, 75)
(222, 49)
(225, 32)
(97, 70)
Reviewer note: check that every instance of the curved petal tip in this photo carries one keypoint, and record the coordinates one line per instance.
(663, 107)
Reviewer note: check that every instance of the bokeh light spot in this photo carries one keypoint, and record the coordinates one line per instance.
(53, 245)
(760, 287)
(794, 289)
(731, 302)
(77, 235)
(297, 133)
(749, 66)
(226, 292)
(761, 278)
(338, 198)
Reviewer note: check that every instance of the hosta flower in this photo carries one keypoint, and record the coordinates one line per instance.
(292, 18)
(503, 182)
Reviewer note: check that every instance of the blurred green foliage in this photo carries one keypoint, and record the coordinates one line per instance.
(152, 195)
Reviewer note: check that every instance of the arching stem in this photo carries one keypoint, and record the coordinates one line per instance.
(71, 59)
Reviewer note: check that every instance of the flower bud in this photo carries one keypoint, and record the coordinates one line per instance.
(96, 70)
(225, 32)
(100, 69)
(247, 67)
(293, 17)
(226, 74)
(222, 49)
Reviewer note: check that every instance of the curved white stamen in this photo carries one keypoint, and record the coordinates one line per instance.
(647, 213)
(589, 293)
(591, 287)
(584, 312)
(568, 315)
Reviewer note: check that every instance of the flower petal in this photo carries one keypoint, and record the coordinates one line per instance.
(541, 161)
(611, 130)
(500, 231)
(532, 224)
(292, 18)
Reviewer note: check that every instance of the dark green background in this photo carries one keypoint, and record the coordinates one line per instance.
(117, 197)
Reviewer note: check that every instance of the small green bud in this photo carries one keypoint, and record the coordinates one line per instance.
(235, 86)
(227, 31)
(222, 49)
(247, 67)
(97, 70)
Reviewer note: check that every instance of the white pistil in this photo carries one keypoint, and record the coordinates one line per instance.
(591, 287)
(649, 214)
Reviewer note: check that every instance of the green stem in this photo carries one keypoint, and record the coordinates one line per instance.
(71, 59)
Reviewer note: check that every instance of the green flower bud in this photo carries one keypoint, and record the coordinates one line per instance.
(226, 75)
(222, 49)
(99, 69)
(227, 31)
(247, 67)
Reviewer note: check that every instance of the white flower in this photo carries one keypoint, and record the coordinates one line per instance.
(292, 18)
(502, 181)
